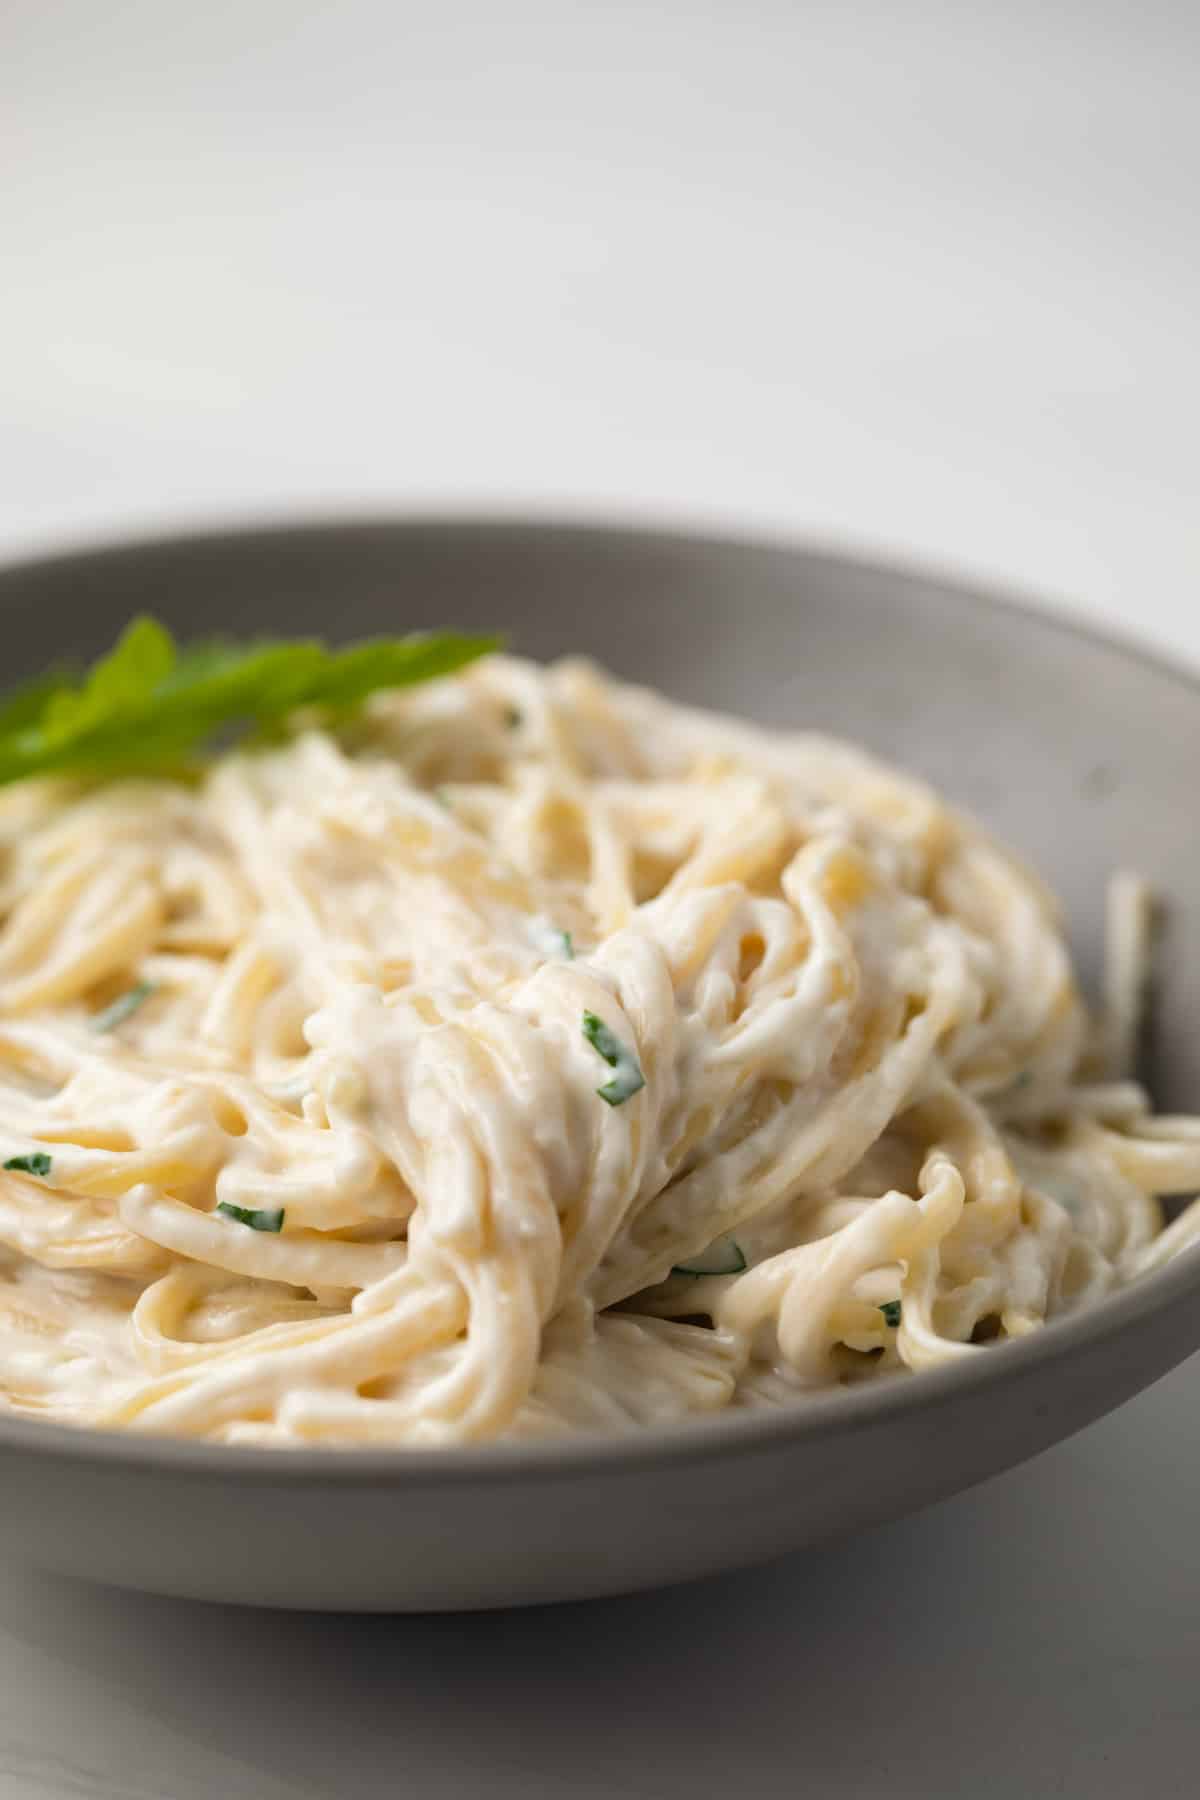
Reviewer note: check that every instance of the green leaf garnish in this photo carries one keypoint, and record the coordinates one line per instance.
(139, 663)
(725, 1257)
(36, 1163)
(257, 1218)
(891, 1313)
(123, 1007)
(628, 1079)
(151, 706)
(25, 705)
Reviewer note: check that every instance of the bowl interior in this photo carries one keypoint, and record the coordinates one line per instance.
(1080, 753)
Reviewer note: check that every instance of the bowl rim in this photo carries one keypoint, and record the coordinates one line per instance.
(826, 1415)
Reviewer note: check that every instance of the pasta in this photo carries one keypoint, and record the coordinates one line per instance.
(536, 1055)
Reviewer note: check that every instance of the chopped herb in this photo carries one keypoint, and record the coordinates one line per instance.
(628, 1079)
(152, 705)
(257, 1218)
(36, 1163)
(513, 717)
(725, 1257)
(123, 1007)
(891, 1313)
(551, 939)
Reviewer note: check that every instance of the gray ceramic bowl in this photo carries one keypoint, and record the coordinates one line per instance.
(1081, 753)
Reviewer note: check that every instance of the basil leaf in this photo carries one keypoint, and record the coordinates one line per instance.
(149, 706)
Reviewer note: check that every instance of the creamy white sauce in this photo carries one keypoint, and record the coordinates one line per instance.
(630, 1064)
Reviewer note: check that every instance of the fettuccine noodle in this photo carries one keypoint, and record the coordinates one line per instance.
(539, 1055)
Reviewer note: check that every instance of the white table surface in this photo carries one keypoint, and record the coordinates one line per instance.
(917, 276)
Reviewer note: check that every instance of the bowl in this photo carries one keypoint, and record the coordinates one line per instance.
(1078, 751)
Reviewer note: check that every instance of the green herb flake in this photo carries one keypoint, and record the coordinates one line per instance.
(513, 717)
(36, 1163)
(123, 1007)
(722, 1258)
(551, 939)
(628, 1079)
(152, 706)
(257, 1218)
(891, 1313)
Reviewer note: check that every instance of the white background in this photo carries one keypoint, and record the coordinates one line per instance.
(913, 273)
(909, 274)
